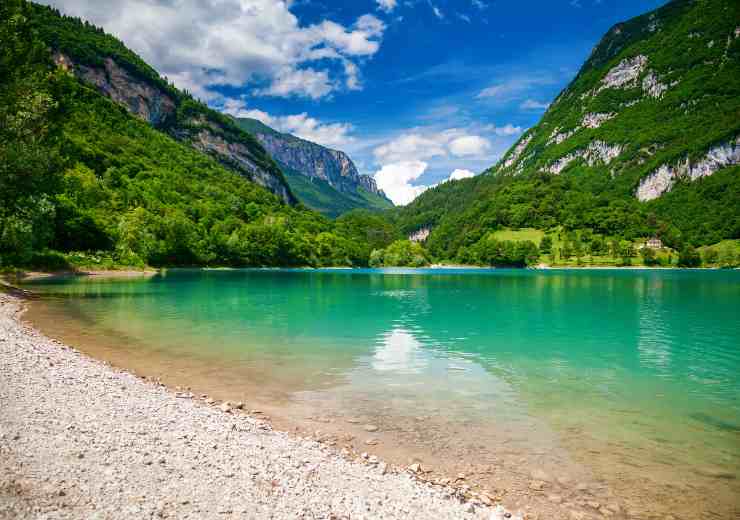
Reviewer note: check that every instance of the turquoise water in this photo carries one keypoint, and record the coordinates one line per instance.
(628, 375)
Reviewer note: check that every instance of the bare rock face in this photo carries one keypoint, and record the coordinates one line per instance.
(517, 151)
(596, 152)
(595, 120)
(420, 235)
(652, 85)
(158, 108)
(316, 161)
(236, 153)
(144, 101)
(625, 74)
(665, 176)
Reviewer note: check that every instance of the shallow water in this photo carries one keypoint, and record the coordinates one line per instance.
(625, 384)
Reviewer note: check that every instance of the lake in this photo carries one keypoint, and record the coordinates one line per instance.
(549, 388)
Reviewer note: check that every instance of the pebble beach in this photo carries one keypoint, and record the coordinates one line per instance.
(81, 439)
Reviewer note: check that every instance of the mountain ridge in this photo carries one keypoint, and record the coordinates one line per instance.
(108, 65)
(318, 163)
(657, 105)
(101, 169)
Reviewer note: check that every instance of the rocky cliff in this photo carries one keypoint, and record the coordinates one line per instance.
(322, 166)
(644, 141)
(169, 110)
(655, 104)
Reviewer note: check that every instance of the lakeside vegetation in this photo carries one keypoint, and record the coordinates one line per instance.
(86, 184)
(82, 181)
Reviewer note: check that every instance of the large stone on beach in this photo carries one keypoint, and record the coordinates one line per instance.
(370, 428)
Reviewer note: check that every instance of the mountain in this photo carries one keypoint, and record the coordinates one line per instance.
(323, 179)
(104, 163)
(104, 62)
(644, 141)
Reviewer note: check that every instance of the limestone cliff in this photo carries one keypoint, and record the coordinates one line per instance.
(332, 170)
(169, 110)
(654, 105)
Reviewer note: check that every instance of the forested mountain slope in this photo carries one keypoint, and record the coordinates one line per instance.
(324, 179)
(645, 140)
(115, 71)
(127, 178)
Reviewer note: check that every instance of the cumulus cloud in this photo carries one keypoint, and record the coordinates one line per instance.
(459, 174)
(405, 158)
(412, 146)
(333, 135)
(386, 5)
(210, 43)
(421, 146)
(469, 145)
(395, 180)
(299, 82)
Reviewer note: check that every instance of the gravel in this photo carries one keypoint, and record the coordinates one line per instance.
(80, 439)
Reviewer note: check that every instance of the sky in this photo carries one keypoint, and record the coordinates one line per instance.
(415, 91)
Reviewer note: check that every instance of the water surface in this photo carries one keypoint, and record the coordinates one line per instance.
(625, 384)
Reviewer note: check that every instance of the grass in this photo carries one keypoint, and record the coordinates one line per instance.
(520, 235)
(49, 260)
(722, 254)
(666, 257)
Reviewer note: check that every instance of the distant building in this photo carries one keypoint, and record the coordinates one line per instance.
(421, 235)
(654, 243)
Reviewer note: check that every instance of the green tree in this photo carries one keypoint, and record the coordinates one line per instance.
(689, 257)
(546, 245)
(648, 256)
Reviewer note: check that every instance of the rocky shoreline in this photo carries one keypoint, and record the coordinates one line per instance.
(80, 439)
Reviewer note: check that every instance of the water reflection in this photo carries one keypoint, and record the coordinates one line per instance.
(654, 341)
(399, 351)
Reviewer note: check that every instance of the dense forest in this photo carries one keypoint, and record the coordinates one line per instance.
(84, 181)
(81, 177)
(579, 168)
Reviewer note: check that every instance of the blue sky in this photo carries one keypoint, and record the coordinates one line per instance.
(413, 90)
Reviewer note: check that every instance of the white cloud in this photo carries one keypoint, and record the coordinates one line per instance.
(531, 104)
(412, 146)
(464, 17)
(352, 73)
(479, 4)
(298, 82)
(419, 145)
(395, 180)
(437, 12)
(469, 145)
(507, 130)
(459, 174)
(301, 125)
(386, 5)
(208, 43)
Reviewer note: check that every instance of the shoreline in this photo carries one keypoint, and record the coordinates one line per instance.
(59, 405)
(9, 279)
